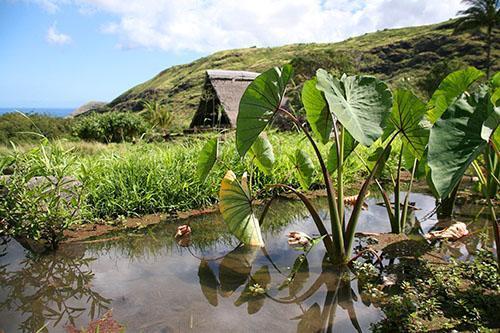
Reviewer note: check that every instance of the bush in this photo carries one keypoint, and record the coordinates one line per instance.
(110, 127)
(40, 199)
(17, 127)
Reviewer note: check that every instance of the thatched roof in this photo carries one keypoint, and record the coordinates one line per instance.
(222, 88)
(87, 107)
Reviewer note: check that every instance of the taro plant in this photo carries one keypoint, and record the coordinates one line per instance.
(407, 121)
(348, 110)
(465, 133)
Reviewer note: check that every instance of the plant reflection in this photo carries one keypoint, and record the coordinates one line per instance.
(236, 269)
(53, 288)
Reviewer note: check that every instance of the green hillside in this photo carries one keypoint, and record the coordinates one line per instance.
(399, 56)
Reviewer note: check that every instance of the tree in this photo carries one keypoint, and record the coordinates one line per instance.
(480, 14)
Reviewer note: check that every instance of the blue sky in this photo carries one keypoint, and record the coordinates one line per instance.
(63, 53)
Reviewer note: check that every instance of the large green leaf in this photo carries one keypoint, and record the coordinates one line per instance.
(262, 153)
(453, 86)
(349, 145)
(317, 113)
(407, 117)
(455, 141)
(207, 158)
(361, 104)
(259, 103)
(236, 209)
(208, 282)
(305, 168)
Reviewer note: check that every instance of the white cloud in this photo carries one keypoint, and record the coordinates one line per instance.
(209, 25)
(56, 37)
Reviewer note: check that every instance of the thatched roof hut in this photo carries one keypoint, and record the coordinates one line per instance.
(221, 97)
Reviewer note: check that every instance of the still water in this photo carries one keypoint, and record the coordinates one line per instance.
(154, 285)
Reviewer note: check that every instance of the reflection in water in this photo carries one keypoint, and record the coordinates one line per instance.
(235, 270)
(50, 288)
(154, 285)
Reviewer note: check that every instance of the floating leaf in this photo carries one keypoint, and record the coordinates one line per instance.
(236, 209)
(298, 276)
(262, 152)
(208, 282)
(455, 141)
(454, 85)
(317, 113)
(361, 104)
(305, 168)
(207, 158)
(259, 103)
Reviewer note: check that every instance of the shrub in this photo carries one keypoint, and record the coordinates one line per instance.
(110, 127)
(19, 127)
(40, 199)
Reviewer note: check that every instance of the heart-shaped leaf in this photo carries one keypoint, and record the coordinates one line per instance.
(317, 113)
(259, 103)
(305, 168)
(236, 209)
(455, 140)
(207, 158)
(360, 103)
(453, 86)
(407, 117)
(262, 153)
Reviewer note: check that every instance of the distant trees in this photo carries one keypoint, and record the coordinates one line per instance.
(480, 14)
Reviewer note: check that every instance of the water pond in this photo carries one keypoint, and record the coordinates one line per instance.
(154, 285)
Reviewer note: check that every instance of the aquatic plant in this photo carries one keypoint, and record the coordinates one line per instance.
(465, 134)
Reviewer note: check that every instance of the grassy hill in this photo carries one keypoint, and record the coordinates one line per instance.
(399, 56)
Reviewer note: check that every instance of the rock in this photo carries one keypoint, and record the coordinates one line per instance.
(88, 107)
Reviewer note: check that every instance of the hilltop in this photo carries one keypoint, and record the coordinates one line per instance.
(399, 56)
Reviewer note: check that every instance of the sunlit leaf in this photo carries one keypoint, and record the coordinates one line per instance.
(317, 113)
(259, 103)
(262, 153)
(305, 168)
(208, 282)
(207, 158)
(407, 117)
(455, 141)
(236, 209)
(361, 104)
(454, 85)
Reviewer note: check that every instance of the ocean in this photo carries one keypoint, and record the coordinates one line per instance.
(56, 112)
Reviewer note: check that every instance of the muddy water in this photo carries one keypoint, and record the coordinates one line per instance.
(154, 285)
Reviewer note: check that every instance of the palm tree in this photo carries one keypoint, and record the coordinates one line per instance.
(480, 14)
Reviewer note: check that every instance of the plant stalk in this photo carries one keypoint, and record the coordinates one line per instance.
(337, 232)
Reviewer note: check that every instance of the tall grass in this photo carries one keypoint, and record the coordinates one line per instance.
(134, 179)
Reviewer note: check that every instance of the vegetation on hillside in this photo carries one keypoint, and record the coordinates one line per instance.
(398, 56)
